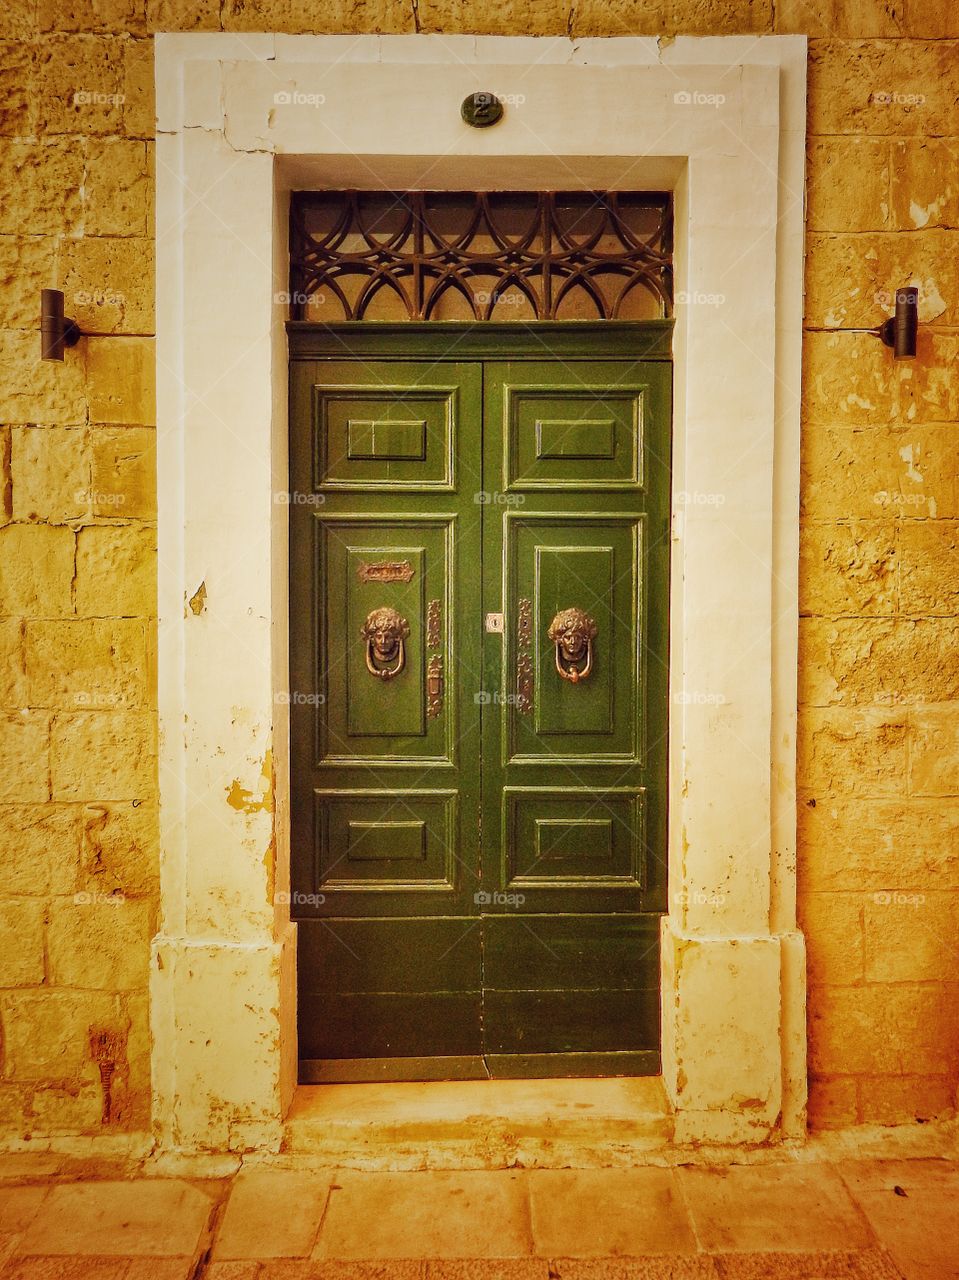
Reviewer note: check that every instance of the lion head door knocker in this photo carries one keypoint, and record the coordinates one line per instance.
(572, 632)
(385, 632)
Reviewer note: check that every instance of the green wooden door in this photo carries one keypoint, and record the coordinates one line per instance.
(479, 560)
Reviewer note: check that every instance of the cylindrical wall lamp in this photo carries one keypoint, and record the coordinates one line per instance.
(900, 331)
(56, 330)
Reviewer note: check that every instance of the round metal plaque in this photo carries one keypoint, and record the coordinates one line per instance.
(480, 110)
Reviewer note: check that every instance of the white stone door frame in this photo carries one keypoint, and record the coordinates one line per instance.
(242, 120)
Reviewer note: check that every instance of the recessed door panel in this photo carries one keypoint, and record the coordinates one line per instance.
(578, 837)
(378, 840)
(385, 586)
(570, 434)
(386, 431)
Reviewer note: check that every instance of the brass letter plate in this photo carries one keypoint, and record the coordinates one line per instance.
(386, 571)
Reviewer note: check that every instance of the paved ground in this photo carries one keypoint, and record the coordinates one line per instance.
(855, 1220)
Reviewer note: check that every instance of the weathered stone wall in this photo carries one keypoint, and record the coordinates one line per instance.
(879, 750)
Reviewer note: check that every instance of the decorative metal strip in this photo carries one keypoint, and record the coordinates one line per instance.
(524, 657)
(433, 624)
(428, 255)
(434, 686)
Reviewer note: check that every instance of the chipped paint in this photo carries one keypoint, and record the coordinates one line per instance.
(197, 602)
(242, 798)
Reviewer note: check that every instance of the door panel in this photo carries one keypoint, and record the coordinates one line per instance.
(478, 814)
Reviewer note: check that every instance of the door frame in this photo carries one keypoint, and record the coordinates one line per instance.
(721, 122)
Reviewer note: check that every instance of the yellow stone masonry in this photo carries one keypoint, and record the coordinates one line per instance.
(879, 680)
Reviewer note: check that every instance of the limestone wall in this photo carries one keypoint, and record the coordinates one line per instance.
(879, 749)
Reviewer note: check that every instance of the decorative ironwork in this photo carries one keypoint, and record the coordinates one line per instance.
(385, 632)
(433, 624)
(435, 255)
(572, 632)
(386, 571)
(524, 657)
(434, 686)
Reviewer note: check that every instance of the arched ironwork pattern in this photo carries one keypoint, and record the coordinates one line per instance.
(449, 255)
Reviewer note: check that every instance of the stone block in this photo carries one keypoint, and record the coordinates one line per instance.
(849, 473)
(719, 17)
(47, 176)
(24, 756)
(109, 283)
(929, 567)
(53, 393)
(884, 662)
(46, 1033)
(852, 280)
(905, 1099)
(121, 381)
(39, 849)
(89, 663)
(18, 20)
(910, 936)
(853, 751)
(25, 265)
(50, 471)
(36, 570)
(183, 15)
(116, 570)
(833, 925)
(832, 1102)
(346, 18)
(621, 18)
(6, 482)
(847, 184)
(139, 109)
(929, 386)
(925, 184)
(847, 568)
(13, 686)
(104, 756)
(838, 18)
(933, 20)
(856, 844)
(118, 193)
(120, 849)
(877, 1028)
(21, 943)
(848, 377)
(883, 88)
(100, 943)
(95, 16)
(934, 751)
(79, 85)
(123, 472)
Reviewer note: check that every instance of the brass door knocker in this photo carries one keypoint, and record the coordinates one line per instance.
(572, 632)
(385, 633)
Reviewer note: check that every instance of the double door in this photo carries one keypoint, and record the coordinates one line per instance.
(479, 561)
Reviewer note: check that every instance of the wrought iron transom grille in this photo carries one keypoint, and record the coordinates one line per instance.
(449, 255)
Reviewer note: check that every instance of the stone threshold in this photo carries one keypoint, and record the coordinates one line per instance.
(480, 1124)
